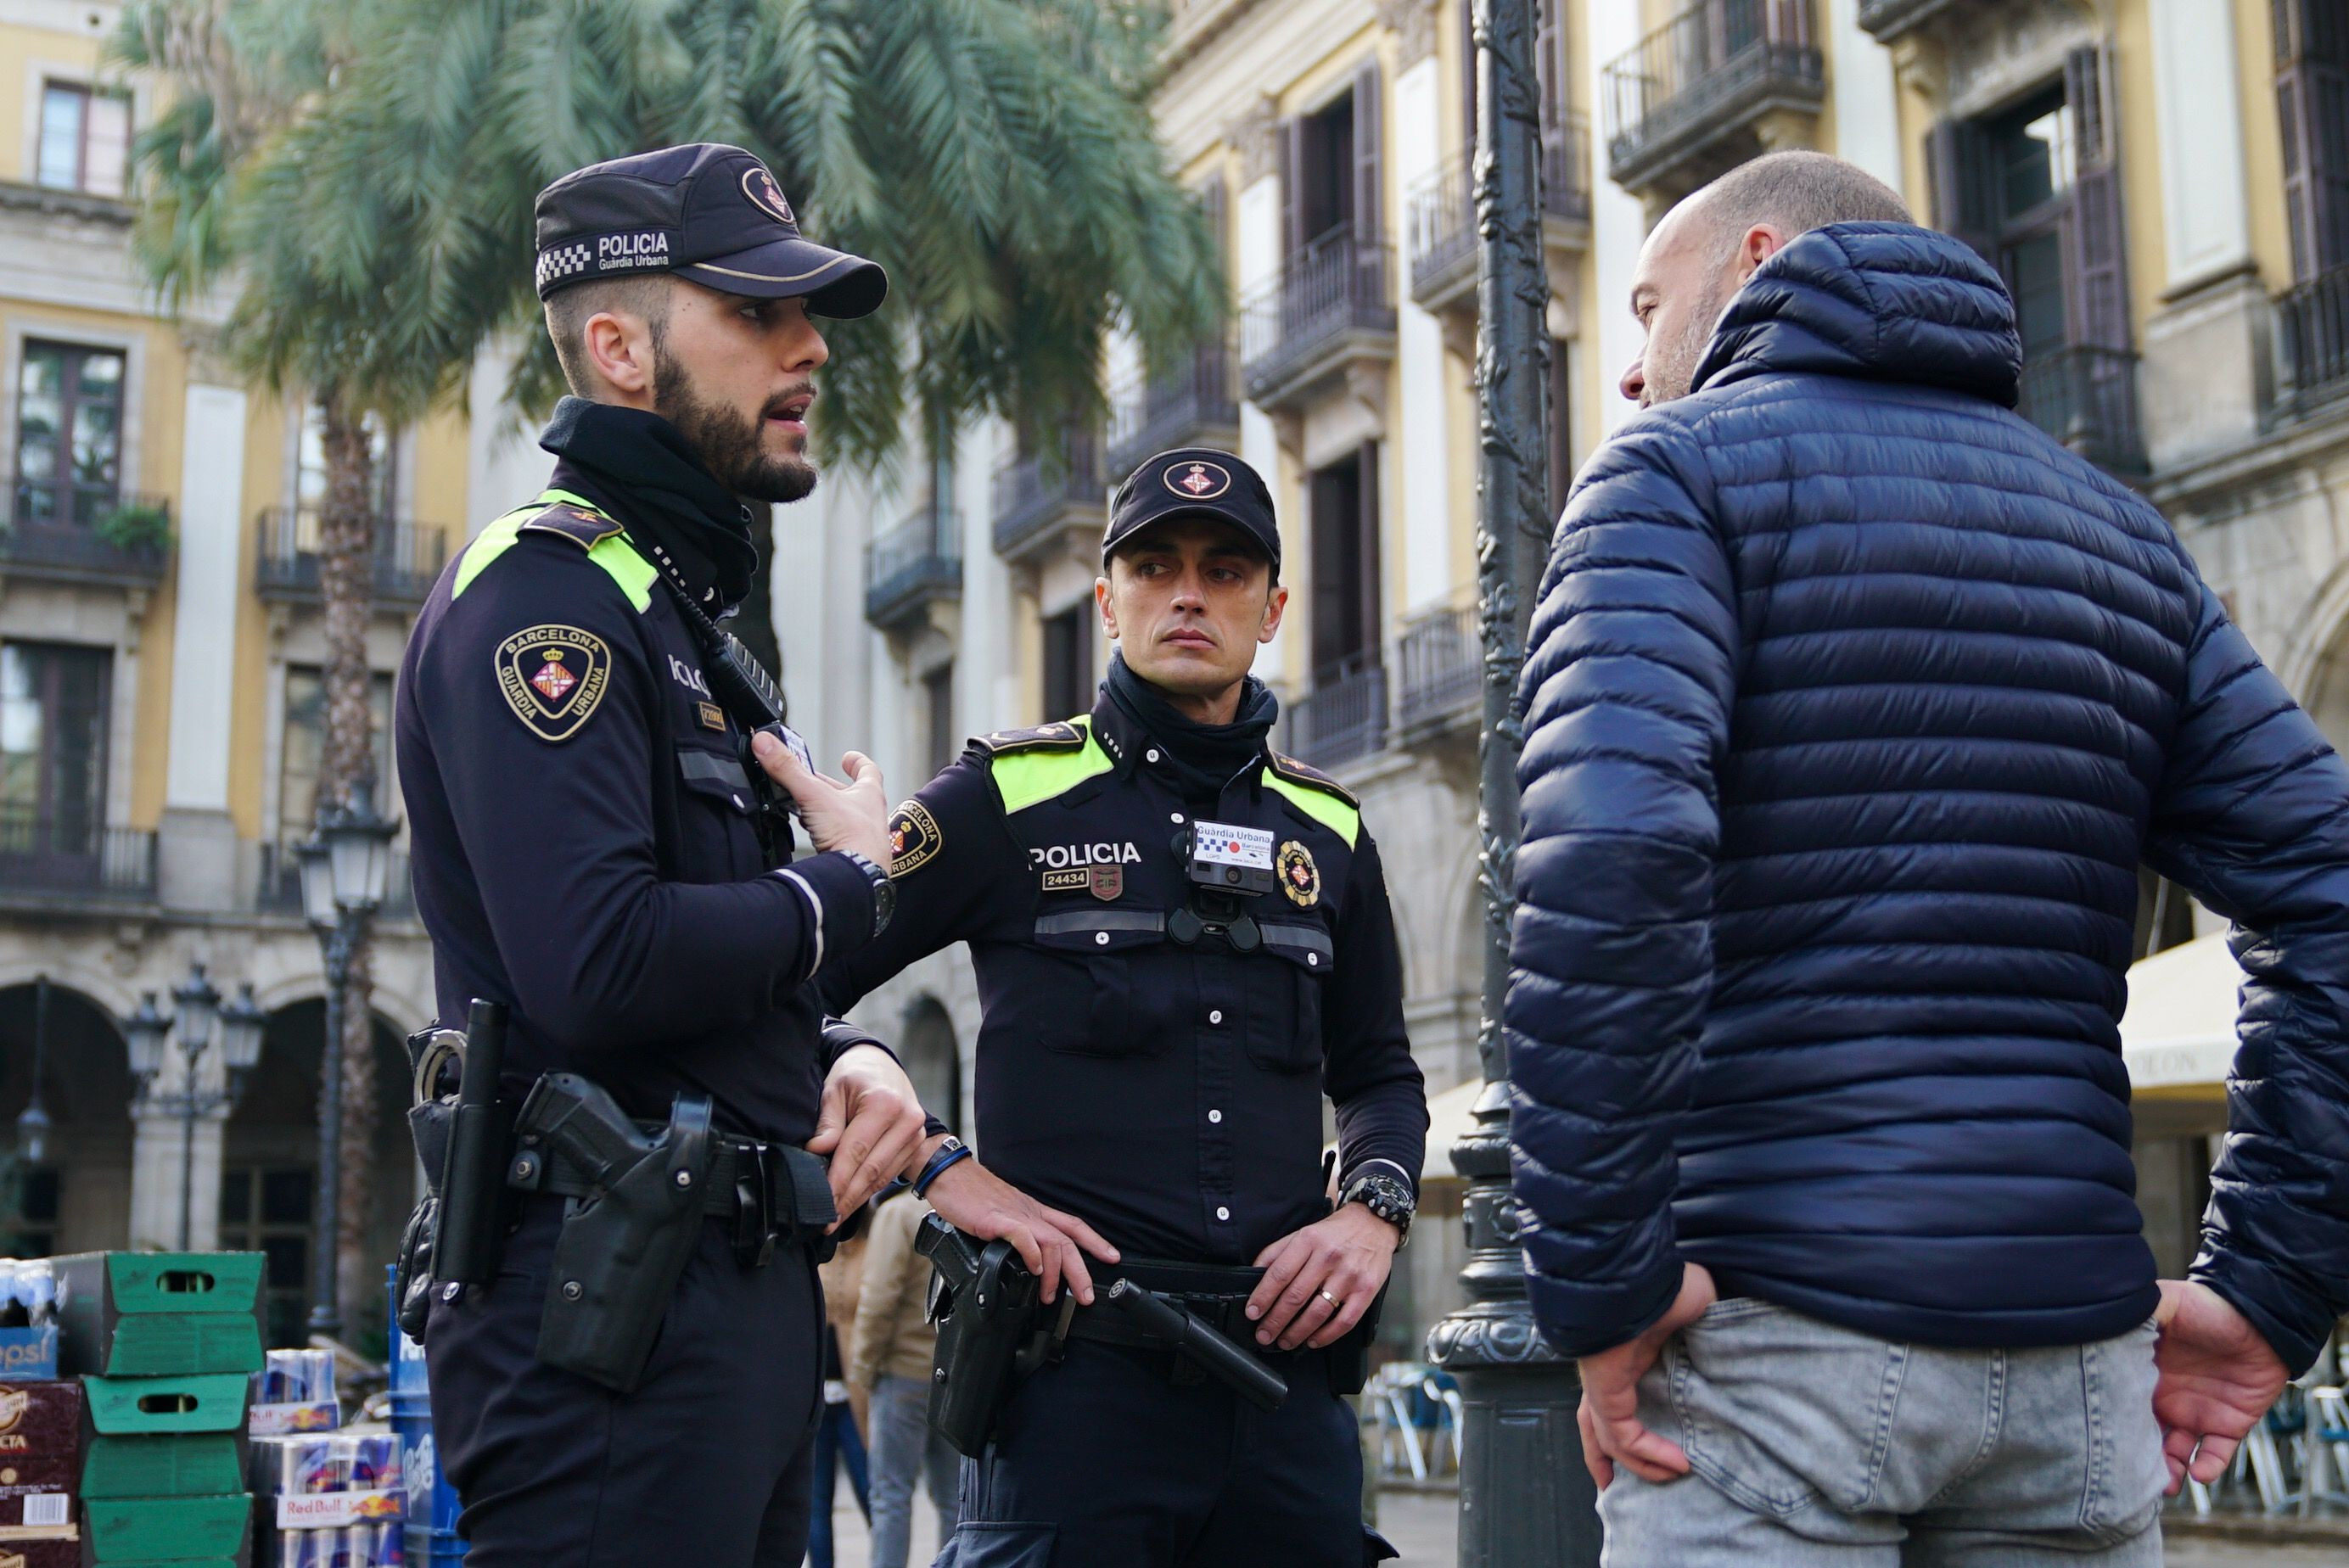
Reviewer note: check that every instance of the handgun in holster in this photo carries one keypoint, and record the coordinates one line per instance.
(992, 1332)
(632, 1217)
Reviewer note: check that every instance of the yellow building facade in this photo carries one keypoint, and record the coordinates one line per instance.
(160, 640)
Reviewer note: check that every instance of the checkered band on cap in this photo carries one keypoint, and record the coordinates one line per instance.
(562, 262)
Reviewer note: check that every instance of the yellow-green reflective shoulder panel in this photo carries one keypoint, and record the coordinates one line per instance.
(1026, 779)
(631, 570)
(1319, 804)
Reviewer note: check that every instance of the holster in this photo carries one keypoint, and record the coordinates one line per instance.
(429, 1122)
(983, 1305)
(620, 1249)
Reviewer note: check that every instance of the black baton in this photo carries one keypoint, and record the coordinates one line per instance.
(466, 1250)
(1256, 1383)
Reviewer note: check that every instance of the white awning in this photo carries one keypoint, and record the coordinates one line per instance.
(2179, 1028)
(1450, 1115)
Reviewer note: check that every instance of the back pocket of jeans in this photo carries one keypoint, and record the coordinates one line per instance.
(983, 1544)
(1779, 1410)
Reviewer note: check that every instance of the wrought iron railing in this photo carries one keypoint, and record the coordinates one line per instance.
(912, 565)
(1440, 668)
(2085, 397)
(1566, 169)
(76, 529)
(1345, 716)
(2313, 339)
(1694, 65)
(1440, 222)
(1032, 491)
(1148, 413)
(1335, 285)
(406, 561)
(47, 854)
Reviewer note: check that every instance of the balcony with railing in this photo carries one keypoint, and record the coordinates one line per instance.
(1710, 88)
(406, 561)
(59, 860)
(2085, 397)
(85, 533)
(1047, 500)
(2311, 337)
(913, 566)
(1331, 311)
(1891, 20)
(1440, 673)
(1344, 718)
(1195, 404)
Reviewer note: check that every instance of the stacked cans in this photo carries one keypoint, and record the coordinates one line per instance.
(358, 1480)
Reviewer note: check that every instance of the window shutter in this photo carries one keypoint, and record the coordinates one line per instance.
(2096, 246)
(1366, 564)
(1468, 74)
(2311, 40)
(1214, 210)
(1290, 137)
(1959, 159)
(1370, 225)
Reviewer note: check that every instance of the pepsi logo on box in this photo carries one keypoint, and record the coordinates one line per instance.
(29, 1355)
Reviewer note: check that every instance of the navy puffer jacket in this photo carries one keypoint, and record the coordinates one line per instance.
(1853, 703)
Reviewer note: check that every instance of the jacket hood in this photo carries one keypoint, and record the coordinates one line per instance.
(1880, 302)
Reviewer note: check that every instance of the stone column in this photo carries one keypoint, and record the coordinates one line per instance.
(197, 859)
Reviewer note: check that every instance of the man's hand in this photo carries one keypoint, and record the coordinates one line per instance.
(2217, 1377)
(1052, 1244)
(837, 816)
(1610, 1416)
(1318, 1281)
(870, 1123)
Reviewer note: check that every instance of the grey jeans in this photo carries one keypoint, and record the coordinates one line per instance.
(1817, 1447)
(904, 1446)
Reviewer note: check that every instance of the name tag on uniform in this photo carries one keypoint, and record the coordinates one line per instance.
(1223, 844)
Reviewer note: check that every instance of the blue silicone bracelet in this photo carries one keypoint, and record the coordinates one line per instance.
(937, 1168)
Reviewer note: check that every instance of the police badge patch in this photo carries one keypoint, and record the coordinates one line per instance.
(1300, 879)
(914, 839)
(554, 678)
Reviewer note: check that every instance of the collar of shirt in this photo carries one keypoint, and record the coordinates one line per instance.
(636, 466)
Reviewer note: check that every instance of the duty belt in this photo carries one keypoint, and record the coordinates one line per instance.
(1217, 1296)
(771, 1192)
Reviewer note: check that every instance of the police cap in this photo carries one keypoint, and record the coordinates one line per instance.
(1194, 482)
(705, 211)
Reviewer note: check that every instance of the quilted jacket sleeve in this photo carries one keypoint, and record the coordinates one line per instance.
(2253, 816)
(1626, 694)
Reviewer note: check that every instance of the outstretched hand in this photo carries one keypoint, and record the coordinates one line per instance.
(1610, 1416)
(838, 816)
(2217, 1377)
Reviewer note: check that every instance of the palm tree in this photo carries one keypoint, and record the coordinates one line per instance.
(365, 174)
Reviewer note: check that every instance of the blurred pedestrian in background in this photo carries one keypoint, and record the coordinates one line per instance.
(892, 1355)
(838, 1433)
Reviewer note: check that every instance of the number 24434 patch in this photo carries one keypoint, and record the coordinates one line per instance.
(554, 678)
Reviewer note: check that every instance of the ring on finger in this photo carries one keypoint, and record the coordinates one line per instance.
(1333, 1300)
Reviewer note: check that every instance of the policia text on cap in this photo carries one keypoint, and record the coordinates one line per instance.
(1183, 945)
(596, 848)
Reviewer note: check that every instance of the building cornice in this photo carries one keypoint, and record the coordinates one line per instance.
(2225, 477)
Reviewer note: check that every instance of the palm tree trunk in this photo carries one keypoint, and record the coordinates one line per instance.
(346, 584)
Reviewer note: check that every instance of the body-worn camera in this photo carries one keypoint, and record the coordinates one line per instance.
(1229, 867)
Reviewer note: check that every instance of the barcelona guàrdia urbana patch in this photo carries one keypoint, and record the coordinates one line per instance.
(554, 678)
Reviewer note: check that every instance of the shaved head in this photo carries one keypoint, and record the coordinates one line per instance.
(1705, 249)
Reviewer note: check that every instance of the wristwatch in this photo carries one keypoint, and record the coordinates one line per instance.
(1387, 1197)
(884, 889)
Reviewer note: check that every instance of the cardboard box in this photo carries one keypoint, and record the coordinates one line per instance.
(143, 1529)
(185, 1464)
(159, 1314)
(40, 1454)
(51, 1550)
(143, 1406)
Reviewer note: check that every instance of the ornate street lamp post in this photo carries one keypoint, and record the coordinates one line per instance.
(344, 870)
(33, 1122)
(1526, 1501)
(198, 1014)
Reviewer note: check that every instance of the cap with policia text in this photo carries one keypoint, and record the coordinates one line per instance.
(706, 212)
(1194, 482)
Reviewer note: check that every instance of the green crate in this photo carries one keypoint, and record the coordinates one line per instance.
(141, 1528)
(140, 1407)
(184, 1464)
(154, 1344)
(141, 1315)
(128, 1282)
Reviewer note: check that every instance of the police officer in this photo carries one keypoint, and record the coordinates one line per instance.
(590, 849)
(1182, 942)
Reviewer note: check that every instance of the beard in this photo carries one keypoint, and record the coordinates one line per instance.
(730, 445)
(1674, 368)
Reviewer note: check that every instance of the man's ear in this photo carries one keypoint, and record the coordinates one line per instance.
(621, 349)
(1762, 242)
(1273, 608)
(1107, 606)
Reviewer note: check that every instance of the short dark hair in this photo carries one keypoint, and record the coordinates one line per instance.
(1795, 192)
(568, 311)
